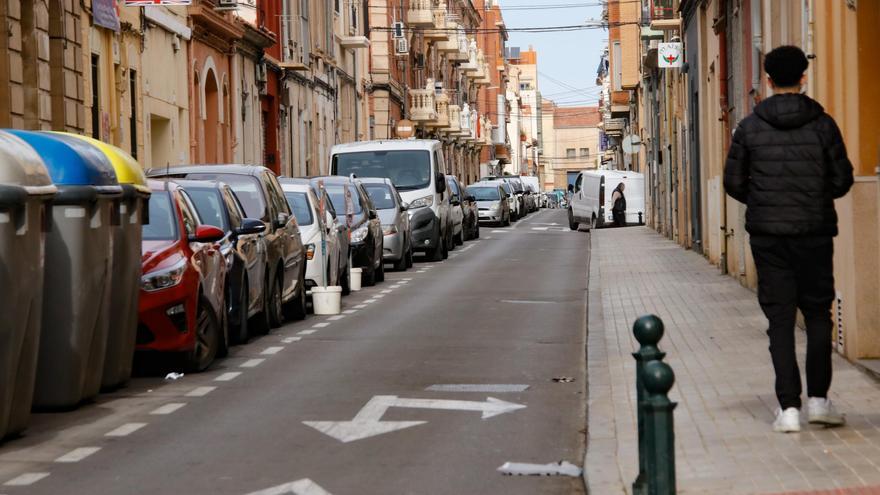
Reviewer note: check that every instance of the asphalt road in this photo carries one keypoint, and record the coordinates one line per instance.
(508, 310)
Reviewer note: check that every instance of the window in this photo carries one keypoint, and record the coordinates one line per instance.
(585, 152)
(132, 96)
(276, 194)
(299, 203)
(570, 153)
(336, 6)
(190, 220)
(236, 212)
(354, 18)
(163, 218)
(618, 66)
(247, 190)
(208, 204)
(96, 97)
(305, 33)
(407, 169)
(381, 195)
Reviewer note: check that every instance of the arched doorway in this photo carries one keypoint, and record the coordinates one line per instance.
(212, 117)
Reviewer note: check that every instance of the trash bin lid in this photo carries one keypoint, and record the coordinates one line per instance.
(23, 167)
(128, 170)
(72, 162)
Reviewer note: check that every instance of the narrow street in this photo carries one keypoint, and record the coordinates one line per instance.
(505, 314)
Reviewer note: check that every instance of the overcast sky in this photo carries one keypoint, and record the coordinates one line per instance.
(566, 60)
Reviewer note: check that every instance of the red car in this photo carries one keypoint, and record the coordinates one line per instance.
(182, 307)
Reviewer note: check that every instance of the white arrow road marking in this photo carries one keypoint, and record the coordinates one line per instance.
(368, 421)
(300, 487)
(478, 387)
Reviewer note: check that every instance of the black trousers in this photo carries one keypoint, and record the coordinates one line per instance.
(619, 218)
(797, 273)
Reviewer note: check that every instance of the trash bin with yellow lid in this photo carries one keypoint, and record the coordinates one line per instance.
(79, 257)
(25, 192)
(126, 274)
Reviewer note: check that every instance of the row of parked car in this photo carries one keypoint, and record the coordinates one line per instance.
(218, 253)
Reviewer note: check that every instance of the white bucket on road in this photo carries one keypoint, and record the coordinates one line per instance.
(327, 300)
(355, 281)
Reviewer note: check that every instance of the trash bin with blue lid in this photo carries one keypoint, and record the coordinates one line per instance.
(25, 190)
(76, 295)
(126, 274)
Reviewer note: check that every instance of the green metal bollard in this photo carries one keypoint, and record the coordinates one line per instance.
(660, 475)
(648, 330)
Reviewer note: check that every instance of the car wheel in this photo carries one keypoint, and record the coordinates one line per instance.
(506, 222)
(240, 332)
(295, 309)
(261, 323)
(571, 223)
(368, 277)
(437, 253)
(459, 239)
(346, 281)
(477, 231)
(380, 271)
(276, 306)
(409, 257)
(207, 340)
(400, 265)
(593, 223)
(444, 251)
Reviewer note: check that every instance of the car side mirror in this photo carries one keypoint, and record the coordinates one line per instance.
(440, 180)
(404, 206)
(373, 215)
(206, 234)
(281, 220)
(250, 226)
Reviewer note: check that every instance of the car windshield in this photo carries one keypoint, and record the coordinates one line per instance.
(163, 219)
(337, 197)
(407, 169)
(299, 203)
(484, 193)
(207, 202)
(246, 189)
(382, 196)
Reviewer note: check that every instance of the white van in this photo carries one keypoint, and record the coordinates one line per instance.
(591, 200)
(417, 169)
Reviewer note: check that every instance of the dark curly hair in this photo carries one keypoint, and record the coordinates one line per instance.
(786, 65)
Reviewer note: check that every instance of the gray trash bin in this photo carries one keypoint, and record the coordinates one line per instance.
(25, 189)
(76, 296)
(126, 273)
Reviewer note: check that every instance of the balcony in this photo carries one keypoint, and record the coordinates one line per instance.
(420, 13)
(454, 119)
(473, 67)
(355, 42)
(450, 45)
(421, 105)
(441, 107)
(440, 32)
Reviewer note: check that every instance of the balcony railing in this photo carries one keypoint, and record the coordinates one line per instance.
(454, 119)
(420, 13)
(440, 32)
(441, 105)
(421, 105)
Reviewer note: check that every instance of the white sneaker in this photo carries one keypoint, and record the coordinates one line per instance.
(787, 421)
(821, 411)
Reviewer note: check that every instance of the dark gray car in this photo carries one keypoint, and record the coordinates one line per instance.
(397, 243)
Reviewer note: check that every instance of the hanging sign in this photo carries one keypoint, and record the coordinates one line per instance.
(669, 55)
(104, 14)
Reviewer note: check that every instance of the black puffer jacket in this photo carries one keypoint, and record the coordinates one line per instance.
(788, 164)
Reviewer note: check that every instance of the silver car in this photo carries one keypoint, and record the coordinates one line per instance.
(493, 202)
(397, 243)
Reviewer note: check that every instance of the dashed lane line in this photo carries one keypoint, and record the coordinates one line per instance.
(252, 363)
(168, 408)
(379, 296)
(200, 391)
(350, 311)
(290, 340)
(125, 430)
(26, 479)
(336, 317)
(306, 332)
(228, 376)
(362, 306)
(272, 350)
(387, 291)
(77, 455)
(320, 325)
(370, 301)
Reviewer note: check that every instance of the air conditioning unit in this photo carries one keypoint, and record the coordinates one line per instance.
(261, 72)
(397, 30)
(226, 5)
(401, 46)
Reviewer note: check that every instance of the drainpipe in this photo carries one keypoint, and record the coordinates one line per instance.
(721, 31)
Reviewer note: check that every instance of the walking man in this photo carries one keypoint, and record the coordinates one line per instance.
(788, 164)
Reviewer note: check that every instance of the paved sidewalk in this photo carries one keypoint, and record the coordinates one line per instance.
(716, 343)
